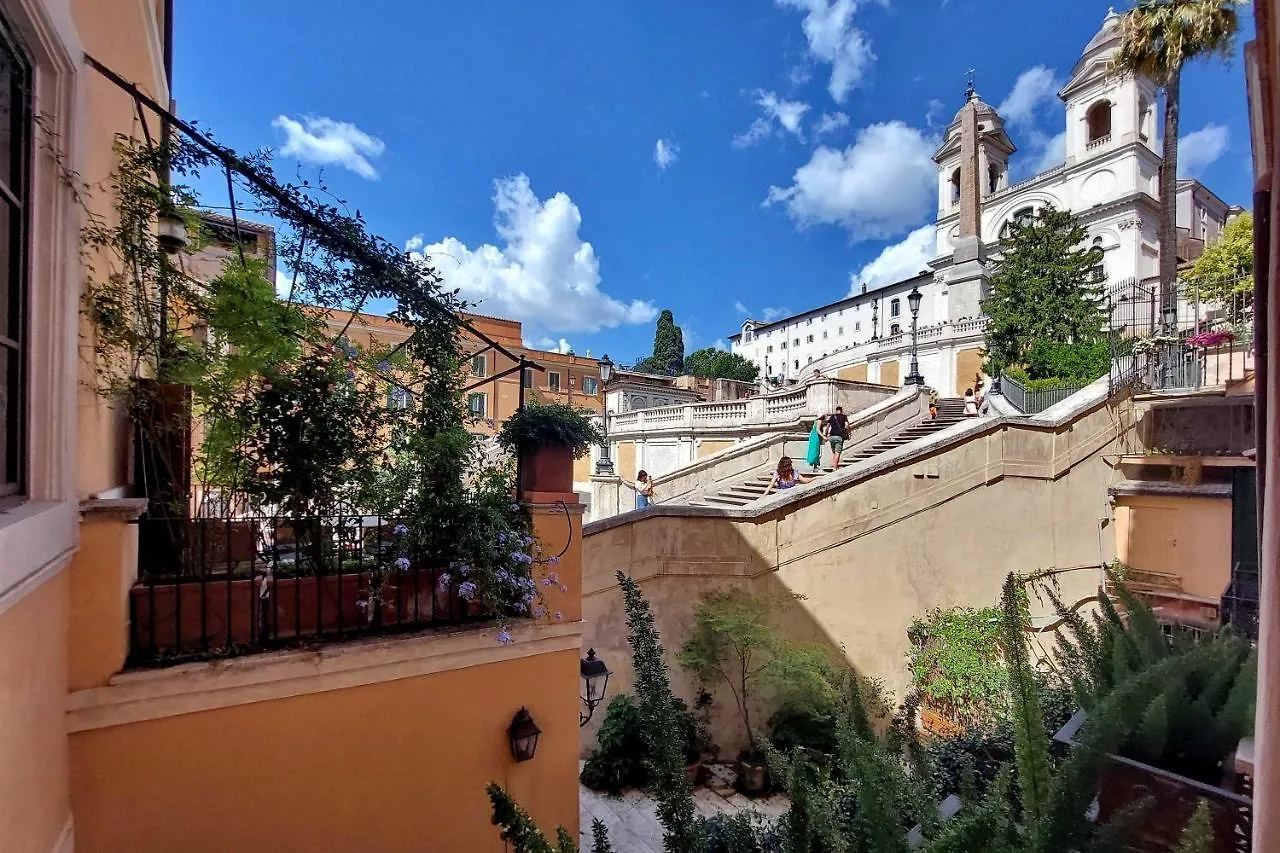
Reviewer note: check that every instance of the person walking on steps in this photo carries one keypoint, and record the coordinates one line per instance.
(814, 456)
(786, 476)
(970, 404)
(933, 404)
(643, 487)
(837, 432)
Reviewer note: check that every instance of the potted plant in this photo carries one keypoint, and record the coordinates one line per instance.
(548, 437)
(1186, 725)
(735, 642)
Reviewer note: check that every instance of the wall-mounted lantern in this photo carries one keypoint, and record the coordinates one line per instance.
(524, 735)
(171, 231)
(595, 681)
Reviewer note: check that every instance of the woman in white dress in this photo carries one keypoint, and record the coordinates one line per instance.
(970, 404)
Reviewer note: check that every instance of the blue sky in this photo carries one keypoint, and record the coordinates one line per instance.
(580, 165)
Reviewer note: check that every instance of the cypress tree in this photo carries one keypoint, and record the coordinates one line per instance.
(1047, 288)
(668, 348)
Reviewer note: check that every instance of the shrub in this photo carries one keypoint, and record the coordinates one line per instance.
(956, 664)
(538, 425)
(621, 760)
(741, 832)
(803, 725)
(1074, 363)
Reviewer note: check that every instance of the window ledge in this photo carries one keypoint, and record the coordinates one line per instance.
(37, 539)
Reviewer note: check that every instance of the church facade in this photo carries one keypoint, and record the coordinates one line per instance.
(1109, 179)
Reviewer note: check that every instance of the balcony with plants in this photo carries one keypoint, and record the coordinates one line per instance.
(300, 484)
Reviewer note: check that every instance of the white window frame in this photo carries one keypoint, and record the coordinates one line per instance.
(553, 385)
(590, 386)
(479, 366)
(484, 404)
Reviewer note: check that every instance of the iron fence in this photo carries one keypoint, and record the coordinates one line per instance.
(1240, 600)
(1033, 401)
(214, 587)
(1197, 335)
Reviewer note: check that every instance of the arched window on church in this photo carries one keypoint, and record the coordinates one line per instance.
(955, 187)
(895, 329)
(993, 178)
(1098, 119)
(895, 307)
(1100, 268)
(1022, 216)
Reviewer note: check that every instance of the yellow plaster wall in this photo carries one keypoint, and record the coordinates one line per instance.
(706, 448)
(396, 766)
(626, 461)
(968, 365)
(1185, 536)
(35, 798)
(856, 373)
(889, 374)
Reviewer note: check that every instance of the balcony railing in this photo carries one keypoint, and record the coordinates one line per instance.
(218, 587)
(1032, 402)
(1240, 600)
(1098, 143)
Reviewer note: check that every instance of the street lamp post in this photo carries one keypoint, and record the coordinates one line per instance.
(913, 376)
(604, 465)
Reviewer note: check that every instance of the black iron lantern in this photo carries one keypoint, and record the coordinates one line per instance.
(595, 681)
(606, 369)
(914, 298)
(524, 735)
(604, 465)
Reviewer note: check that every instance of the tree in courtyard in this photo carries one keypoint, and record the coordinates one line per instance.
(668, 348)
(1158, 38)
(719, 364)
(1046, 289)
(1224, 273)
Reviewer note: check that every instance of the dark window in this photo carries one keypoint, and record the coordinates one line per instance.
(895, 329)
(553, 381)
(1098, 119)
(477, 405)
(895, 307)
(955, 187)
(528, 377)
(15, 154)
(993, 178)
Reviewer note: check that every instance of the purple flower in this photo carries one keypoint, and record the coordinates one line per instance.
(464, 568)
(529, 598)
(502, 538)
(528, 540)
(553, 577)
(546, 581)
(515, 507)
(351, 374)
(467, 590)
(444, 581)
(401, 529)
(527, 583)
(503, 576)
(519, 607)
(554, 561)
(564, 588)
(402, 563)
(362, 604)
(559, 615)
(539, 612)
(505, 638)
(384, 366)
(516, 555)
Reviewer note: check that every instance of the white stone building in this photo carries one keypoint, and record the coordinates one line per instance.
(1109, 180)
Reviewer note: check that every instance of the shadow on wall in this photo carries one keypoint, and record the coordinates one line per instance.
(939, 529)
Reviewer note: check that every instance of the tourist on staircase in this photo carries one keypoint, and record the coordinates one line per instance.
(814, 456)
(643, 487)
(970, 404)
(786, 477)
(837, 432)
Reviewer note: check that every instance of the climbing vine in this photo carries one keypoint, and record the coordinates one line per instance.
(957, 666)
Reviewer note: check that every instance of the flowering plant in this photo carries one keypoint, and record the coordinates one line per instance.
(1152, 344)
(1214, 338)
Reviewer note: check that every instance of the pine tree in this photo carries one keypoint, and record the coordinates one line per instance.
(1046, 289)
(1198, 836)
(1224, 273)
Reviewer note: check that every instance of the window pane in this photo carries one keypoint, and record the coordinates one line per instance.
(9, 423)
(10, 308)
(10, 75)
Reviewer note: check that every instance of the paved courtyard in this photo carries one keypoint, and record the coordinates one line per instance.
(632, 818)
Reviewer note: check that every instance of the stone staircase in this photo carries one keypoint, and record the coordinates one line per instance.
(751, 489)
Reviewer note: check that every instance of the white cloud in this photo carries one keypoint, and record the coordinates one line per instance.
(325, 142)
(1034, 87)
(544, 273)
(778, 113)
(561, 346)
(665, 152)
(899, 261)
(1053, 151)
(1196, 151)
(741, 309)
(881, 185)
(771, 314)
(721, 345)
(833, 39)
(933, 109)
(829, 123)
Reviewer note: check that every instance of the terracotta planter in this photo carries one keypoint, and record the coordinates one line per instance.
(1175, 797)
(549, 470)
(693, 772)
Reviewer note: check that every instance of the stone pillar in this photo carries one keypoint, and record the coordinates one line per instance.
(606, 496)
(557, 528)
(102, 574)
(967, 278)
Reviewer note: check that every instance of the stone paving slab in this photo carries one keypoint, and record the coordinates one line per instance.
(632, 818)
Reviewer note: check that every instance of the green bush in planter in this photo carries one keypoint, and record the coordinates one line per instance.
(538, 425)
(621, 759)
(1204, 703)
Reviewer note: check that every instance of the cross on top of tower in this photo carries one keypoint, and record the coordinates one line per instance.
(970, 93)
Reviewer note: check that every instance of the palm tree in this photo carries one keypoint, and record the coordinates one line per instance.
(1157, 38)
